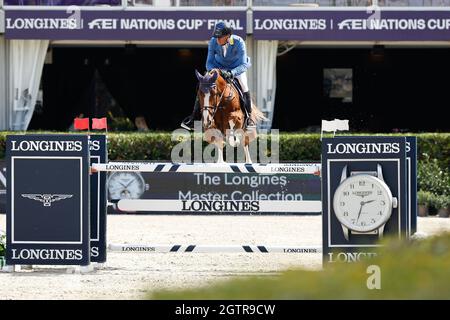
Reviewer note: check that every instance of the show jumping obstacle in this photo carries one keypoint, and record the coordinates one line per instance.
(160, 205)
(57, 197)
(75, 166)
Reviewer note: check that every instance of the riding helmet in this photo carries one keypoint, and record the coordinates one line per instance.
(221, 29)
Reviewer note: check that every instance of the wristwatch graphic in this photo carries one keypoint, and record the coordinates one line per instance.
(363, 202)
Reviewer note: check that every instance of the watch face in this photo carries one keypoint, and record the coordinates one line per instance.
(125, 185)
(362, 203)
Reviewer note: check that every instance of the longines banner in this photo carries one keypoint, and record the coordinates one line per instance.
(119, 25)
(217, 193)
(365, 195)
(48, 200)
(62, 2)
(411, 182)
(355, 25)
(98, 154)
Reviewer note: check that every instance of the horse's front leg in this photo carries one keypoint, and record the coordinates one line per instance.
(247, 154)
(219, 149)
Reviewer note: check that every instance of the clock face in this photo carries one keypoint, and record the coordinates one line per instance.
(125, 185)
(362, 203)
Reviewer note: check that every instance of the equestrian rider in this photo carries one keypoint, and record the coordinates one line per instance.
(226, 52)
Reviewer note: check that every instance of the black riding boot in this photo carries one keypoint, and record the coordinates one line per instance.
(249, 123)
(188, 123)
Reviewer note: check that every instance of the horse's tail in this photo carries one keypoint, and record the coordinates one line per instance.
(257, 114)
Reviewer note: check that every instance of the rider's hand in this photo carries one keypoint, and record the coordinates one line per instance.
(227, 75)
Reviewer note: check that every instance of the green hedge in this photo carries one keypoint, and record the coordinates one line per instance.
(433, 152)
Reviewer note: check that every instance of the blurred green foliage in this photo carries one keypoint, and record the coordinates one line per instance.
(432, 176)
(409, 270)
(157, 145)
(2, 244)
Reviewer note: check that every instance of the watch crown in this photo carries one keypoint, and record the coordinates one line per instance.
(394, 202)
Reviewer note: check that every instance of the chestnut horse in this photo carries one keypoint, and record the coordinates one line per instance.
(221, 110)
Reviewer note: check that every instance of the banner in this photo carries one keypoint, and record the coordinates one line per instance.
(98, 154)
(367, 24)
(62, 2)
(119, 25)
(411, 178)
(48, 200)
(217, 193)
(364, 195)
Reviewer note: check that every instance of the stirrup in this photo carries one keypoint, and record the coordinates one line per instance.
(186, 121)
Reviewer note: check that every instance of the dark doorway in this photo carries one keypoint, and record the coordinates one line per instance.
(393, 89)
(156, 83)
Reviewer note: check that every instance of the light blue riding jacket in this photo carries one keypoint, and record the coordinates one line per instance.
(236, 59)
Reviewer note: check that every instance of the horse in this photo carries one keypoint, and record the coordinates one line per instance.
(221, 110)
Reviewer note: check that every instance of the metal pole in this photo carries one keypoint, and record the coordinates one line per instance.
(192, 248)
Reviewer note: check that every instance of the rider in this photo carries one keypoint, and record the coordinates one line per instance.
(226, 52)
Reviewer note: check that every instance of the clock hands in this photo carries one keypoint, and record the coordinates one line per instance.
(362, 205)
(360, 209)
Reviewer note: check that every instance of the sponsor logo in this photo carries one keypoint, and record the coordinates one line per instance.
(363, 148)
(220, 206)
(362, 193)
(103, 24)
(139, 249)
(394, 24)
(20, 23)
(46, 199)
(287, 169)
(123, 167)
(300, 250)
(41, 24)
(290, 24)
(350, 256)
(47, 254)
(46, 146)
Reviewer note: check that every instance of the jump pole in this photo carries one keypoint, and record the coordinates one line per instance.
(142, 248)
(269, 168)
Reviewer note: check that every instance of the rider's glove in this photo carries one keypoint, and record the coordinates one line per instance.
(227, 75)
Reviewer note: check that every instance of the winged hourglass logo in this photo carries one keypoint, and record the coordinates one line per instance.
(46, 199)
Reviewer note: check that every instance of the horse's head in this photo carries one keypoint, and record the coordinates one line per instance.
(208, 95)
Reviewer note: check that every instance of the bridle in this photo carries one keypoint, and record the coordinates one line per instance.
(218, 105)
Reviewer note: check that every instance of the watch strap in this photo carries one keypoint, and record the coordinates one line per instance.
(372, 173)
(378, 173)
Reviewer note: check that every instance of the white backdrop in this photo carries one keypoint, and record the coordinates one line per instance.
(266, 77)
(26, 64)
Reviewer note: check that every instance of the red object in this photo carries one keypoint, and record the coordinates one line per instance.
(99, 123)
(81, 123)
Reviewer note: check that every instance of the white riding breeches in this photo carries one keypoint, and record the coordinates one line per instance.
(243, 81)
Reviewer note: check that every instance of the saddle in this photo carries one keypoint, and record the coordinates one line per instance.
(235, 83)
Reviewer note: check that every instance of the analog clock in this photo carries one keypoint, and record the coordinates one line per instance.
(363, 203)
(126, 185)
